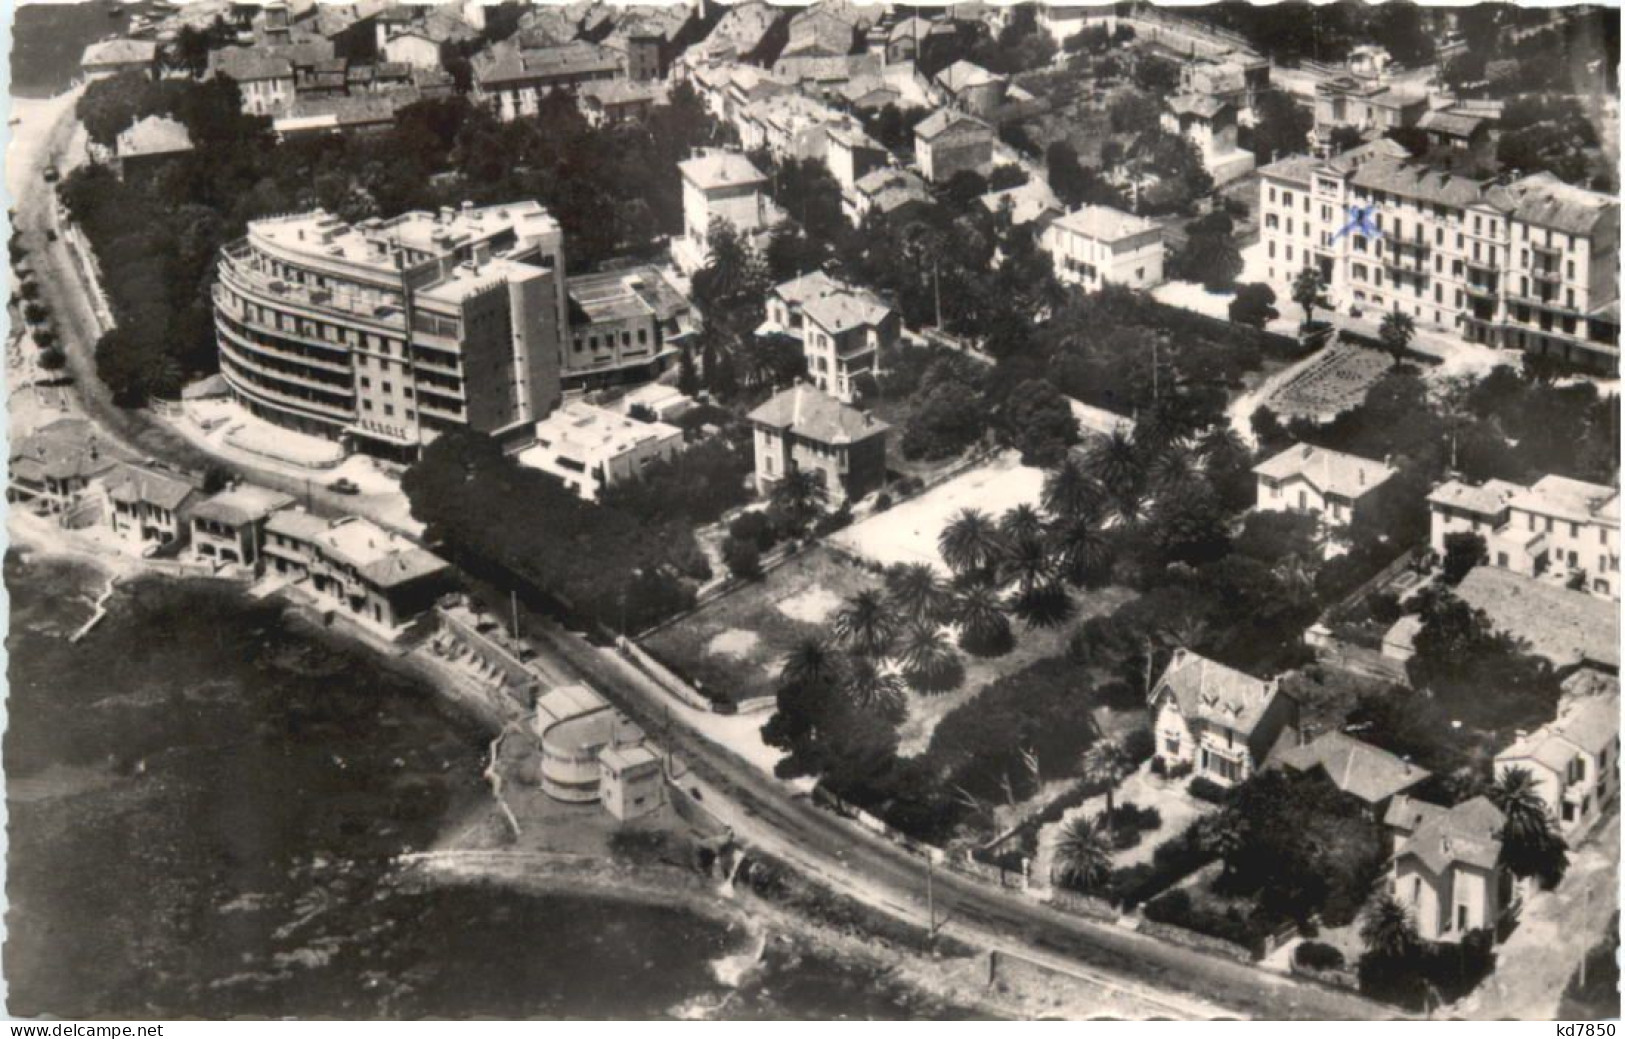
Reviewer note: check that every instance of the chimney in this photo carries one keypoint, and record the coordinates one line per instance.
(1362, 476)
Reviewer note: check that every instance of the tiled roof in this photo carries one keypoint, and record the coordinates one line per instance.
(1354, 767)
(1104, 224)
(382, 558)
(64, 449)
(912, 27)
(1329, 472)
(247, 65)
(119, 52)
(1299, 169)
(943, 119)
(840, 311)
(507, 62)
(1465, 834)
(1200, 105)
(1451, 124)
(295, 523)
(1215, 693)
(962, 75)
(718, 168)
(154, 135)
(1545, 201)
(811, 413)
(1574, 500)
(242, 504)
(1486, 499)
(1589, 725)
(1417, 180)
(1406, 813)
(134, 483)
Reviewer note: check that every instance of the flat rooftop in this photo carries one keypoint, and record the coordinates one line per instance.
(420, 235)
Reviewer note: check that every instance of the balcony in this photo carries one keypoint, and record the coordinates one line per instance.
(244, 382)
(253, 335)
(1416, 247)
(1546, 274)
(270, 371)
(253, 282)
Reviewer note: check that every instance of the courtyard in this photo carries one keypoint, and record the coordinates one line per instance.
(907, 532)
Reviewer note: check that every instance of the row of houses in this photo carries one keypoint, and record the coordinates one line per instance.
(351, 565)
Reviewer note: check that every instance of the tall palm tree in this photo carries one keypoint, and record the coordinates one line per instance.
(917, 593)
(810, 662)
(801, 493)
(1530, 843)
(1388, 931)
(1028, 563)
(872, 688)
(1069, 491)
(865, 625)
(983, 627)
(970, 543)
(1116, 461)
(1107, 762)
(1220, 441)
(1173, 467)
(929, 661)
(1396, 332)
(1021, 523)
(1082, 857)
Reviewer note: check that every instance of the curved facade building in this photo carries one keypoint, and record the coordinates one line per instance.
(385, 332)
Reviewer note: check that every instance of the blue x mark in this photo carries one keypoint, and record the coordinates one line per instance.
(1360, 218)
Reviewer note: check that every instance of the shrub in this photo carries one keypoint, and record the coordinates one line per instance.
(882, 502)
(53, 359)
(1319, 956)
(830, 522)
(743, 558)
(754, 526)
(1384, 607)
(35, 313)
(1208, 790)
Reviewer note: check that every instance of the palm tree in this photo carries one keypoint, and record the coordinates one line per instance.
(1219, 441)
(1306, 290)
(865, 625)
(929, 661)
(1022, 522)
(970, 543)
(1173, 467)
(1027, 562)
(917, 593)
(1530, 843)
(1080, 548)
(1069, 491)
(1116, 462)
(1082, 857)
(1396, 332)
(1107, 762)
(810, 662)
(983, 627)
(1388, 930)
(800, 493)
(873, 689)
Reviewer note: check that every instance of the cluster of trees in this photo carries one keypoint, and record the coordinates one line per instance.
(1479, 675)
(1210, 255)
(157, 236)
(621, 564)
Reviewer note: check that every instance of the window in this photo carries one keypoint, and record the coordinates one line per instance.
(389, 409)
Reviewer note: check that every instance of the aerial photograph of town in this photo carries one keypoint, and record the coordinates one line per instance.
(768, 512)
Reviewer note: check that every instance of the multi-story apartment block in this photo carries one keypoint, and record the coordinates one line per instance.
(842, 329)
(804, 428)
(590, 449)
(724, 185)
(852, 155)
(1530, 264)
(1560, 527)
(512, 79)
(385, 332)
(1096, 246)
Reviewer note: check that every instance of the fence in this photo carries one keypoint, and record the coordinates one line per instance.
(1082, 905)
(661, 675)
(1195, 940)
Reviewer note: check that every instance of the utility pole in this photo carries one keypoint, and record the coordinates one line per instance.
(513, 610)
(936, 282)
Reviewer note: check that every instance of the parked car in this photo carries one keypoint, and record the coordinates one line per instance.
(52, 174)
(344, 485)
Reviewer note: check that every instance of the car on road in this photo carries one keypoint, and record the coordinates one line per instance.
(52, 174)
(344, 485)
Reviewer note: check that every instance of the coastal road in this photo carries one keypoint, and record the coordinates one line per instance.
(1173, 980)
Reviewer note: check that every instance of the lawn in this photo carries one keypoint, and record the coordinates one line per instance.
(734, 645)
(924, 712)
(907, 533)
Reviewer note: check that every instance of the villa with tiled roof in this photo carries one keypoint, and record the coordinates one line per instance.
(804, 428)
(842, 329)
(1446, 868)
(1221, 722)
(1332, 485)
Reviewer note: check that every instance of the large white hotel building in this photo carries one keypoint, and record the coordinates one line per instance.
(1526, 264)
(385, 332)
